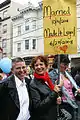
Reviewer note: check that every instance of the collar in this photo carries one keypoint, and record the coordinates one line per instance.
(56, 70)
(19, 82)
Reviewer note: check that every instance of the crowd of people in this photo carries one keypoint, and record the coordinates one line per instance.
(43, 95)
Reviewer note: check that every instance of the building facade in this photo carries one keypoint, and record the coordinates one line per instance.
(28, 33)
(7, 9)
(21, 31)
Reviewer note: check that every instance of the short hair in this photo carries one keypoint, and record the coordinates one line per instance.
(63, 59)
(42, 59)
(18, 59)
(1, 70)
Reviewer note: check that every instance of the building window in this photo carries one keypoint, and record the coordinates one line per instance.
(4, 14)
(34, 24)
(19, 30)
(27, 20)
(5, 28)
(26, 44)
(27, 24)
(4, 54)
(34, 44)
(4, 43)
(18, 47)
(26, 27)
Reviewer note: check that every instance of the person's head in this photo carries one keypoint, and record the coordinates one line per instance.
(64, 62)
(19, 67)
(1, 70)
(28, 70)
(40, 64)
(2, 75)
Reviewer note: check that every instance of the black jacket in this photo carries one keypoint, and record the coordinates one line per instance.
(43, 101)
(9, 100)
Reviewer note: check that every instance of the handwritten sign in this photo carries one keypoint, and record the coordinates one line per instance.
(59, 24)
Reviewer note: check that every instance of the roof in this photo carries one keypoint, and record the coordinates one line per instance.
(3, 4)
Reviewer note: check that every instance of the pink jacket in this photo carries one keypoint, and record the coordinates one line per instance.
(68, 86)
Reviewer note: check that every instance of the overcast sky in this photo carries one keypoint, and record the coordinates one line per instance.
(35, 2)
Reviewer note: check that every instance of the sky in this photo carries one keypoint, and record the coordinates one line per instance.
(35, 2)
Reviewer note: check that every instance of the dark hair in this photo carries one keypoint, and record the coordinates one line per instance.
(18, 59)
(63, 59)
(1, 70)
(42, 59)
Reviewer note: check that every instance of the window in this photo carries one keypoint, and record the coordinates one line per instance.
(27, 20)
(18, 47)
(26, 44)
(4, 43)
(26, 27)
(4, 54)
(27, 24)
(5, 28)
(34, 24)
(4, 14)
(34, 44)
(19, 30)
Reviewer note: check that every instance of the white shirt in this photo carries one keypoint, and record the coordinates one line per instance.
(23, 99)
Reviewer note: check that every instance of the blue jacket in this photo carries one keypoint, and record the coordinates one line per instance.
(53, 75)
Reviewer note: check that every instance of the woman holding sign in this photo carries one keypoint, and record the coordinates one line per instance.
(68, 105)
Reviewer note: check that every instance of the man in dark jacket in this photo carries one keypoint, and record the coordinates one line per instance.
(14, 97)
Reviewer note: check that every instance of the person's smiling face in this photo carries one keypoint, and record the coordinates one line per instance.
(19, 69)
(40, 67)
